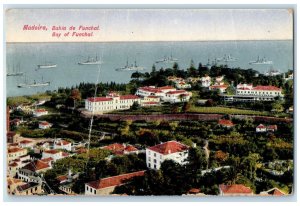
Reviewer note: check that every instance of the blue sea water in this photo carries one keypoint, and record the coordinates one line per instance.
(114, 55)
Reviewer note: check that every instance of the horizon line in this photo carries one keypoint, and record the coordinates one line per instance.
(13, 42)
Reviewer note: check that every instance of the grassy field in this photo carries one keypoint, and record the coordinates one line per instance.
(15, 101)
(225, 110)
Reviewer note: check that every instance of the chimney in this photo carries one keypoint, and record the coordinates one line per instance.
(169, 151)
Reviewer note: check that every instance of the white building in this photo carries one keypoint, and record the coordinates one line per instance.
(62, 144)
(106, 186)
(110, 103)
(177, 96)
(261, 128)
(182, 85)
(248, 93)
(154, 91)
(44, 125)
(205, 81)
(26, 144)
(218, 87)
(39, 112)
(150, 101)
(171, 150)
(54, 154)
(265, 93)
(15, 153)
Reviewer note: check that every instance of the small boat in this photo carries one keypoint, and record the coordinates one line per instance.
(261, 61)
(46, 66)
(91, 61)
(15, 72)
(132, 67)
(33, 84)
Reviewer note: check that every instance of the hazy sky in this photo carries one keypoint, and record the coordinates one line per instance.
(153, 25)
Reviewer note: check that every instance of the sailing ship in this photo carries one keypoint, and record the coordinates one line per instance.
(226, 58)
(261, 61)
(132, 67)
(166, 59)
(91, 61)
(15, 72)
(33, 84)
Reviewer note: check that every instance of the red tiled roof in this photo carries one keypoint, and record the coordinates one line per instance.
(13, 150)
(62, 142)
(40, 110)
(275, 192)
(194, 191)
(237, 188)
(225, 122)
(272, 88)
(130, 148)
(169, 147)
(14, 164)
(65, 154)
(44, 123)
(25, 141)
(177, 92)
(150, 89)
(36, 165)
(51, 151)
(99, 99)
(272, 127)
(166, 87)
(47, 160)
(261, 126)
(62, 178)
(10, 134)
(114, 147)
(81, 150)
(130, 96)
(114, 181)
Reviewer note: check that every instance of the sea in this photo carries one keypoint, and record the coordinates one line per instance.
(114, 55)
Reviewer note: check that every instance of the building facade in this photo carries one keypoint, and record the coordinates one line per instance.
(110, 103)
(171, 150)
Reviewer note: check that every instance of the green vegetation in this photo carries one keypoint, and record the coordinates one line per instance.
(226, 110)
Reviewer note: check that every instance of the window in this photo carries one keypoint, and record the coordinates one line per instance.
(94, 191)
(154, 160)
(149, 159)
(149, 165)
(154, 166)
(91, 189)
(154, 155)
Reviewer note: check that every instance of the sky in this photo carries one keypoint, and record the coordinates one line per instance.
(152, 24)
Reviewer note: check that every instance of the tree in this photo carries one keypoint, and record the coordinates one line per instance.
(186, 106)
(277, 106)
(135, 106)
(196, 162)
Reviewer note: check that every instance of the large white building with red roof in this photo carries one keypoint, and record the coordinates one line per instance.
(166, 93)
(111, 102)
(249, 93)
(171, 150)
